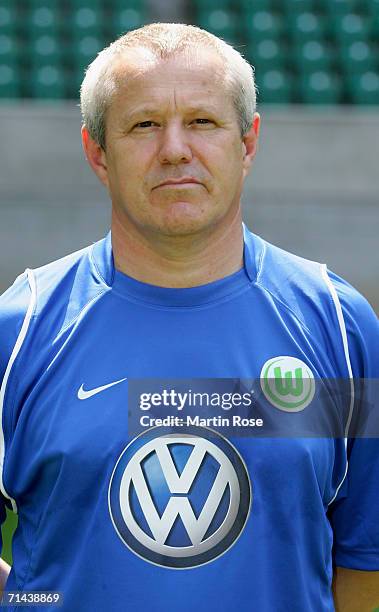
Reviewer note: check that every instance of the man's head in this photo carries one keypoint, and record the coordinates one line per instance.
(163, 41)
(170, 128)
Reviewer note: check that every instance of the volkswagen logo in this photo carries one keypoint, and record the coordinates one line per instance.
(179, 497)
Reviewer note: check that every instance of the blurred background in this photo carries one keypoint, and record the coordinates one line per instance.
(314, 188)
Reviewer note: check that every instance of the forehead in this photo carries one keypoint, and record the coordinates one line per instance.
(195, 76)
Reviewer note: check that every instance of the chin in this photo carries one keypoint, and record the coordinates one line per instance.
(183, 226)
(183, 219)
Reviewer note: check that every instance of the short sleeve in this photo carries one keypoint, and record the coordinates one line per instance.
(354, 514)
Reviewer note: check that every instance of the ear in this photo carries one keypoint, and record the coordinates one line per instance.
(96, 156)
(250, 143)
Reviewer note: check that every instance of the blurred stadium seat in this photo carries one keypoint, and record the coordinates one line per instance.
(84, 21)
(46, 82)
(10, 86)
(44, 19)
(77, 5)
(10, 49)
(337, 7)
(364, 87)
(45, 50)
(351, 27)
(295, 6)
(82, 50)
(320, 87)
(358, 57)
(275, 86)
(220, 22)
(267, 54)
(9, 19)
(124, 19)
(306, 26)
(312, 55)
(36, 4)
(326, 50)
(263, 24)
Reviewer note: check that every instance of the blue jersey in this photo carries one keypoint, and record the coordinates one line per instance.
(174, 519)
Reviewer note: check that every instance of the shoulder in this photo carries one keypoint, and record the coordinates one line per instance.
(55, 292)
(321, 300)
(355, 306)
(300, 285)
(362, 328)
(60, 275)
(282, 272)
(64, 287)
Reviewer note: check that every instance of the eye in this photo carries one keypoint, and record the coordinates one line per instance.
(145, 124)
(202, 121)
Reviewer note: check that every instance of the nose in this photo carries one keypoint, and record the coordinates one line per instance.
(174, 146)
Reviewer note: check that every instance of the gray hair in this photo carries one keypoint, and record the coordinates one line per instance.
(163, 40)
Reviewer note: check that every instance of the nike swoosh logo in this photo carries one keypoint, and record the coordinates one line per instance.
(82, 394)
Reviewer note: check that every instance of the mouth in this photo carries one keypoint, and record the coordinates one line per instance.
(185, 181)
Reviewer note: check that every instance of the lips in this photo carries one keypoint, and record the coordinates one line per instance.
(185, 180)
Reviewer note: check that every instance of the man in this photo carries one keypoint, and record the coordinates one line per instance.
(180, 290)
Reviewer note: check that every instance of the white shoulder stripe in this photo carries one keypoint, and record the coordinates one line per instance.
(16, 349)
(345, 343)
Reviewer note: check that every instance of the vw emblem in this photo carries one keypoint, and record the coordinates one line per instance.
(179, 497)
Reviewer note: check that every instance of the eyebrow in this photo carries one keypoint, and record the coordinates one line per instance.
(151, 110)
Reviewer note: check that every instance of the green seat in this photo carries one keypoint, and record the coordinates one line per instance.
(253, 6)
(85, 21)
(95, 5)
(74, 80)
(10, 49)
(296, 6)
(320, 87)
(358, 57)
(275, 87)
(47, 82)
(36, 4)
(42, 20)
(220, 22)
(373, 7)
(267, 54)
(81, 52)
(9, 19)
(336, 7)
(45, 50)
(343, 7)
(364, 7)
(374, 27)
(202, 6)
(263, 25)
(351, 27)
(124, 20)
(119, 5)
(312, 56)
(307, 26)
(8, 4)
(364, 88)
(10, 86)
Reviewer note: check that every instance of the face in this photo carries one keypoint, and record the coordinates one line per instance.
(175, 161)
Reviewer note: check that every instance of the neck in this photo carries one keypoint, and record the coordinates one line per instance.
(178, 261)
